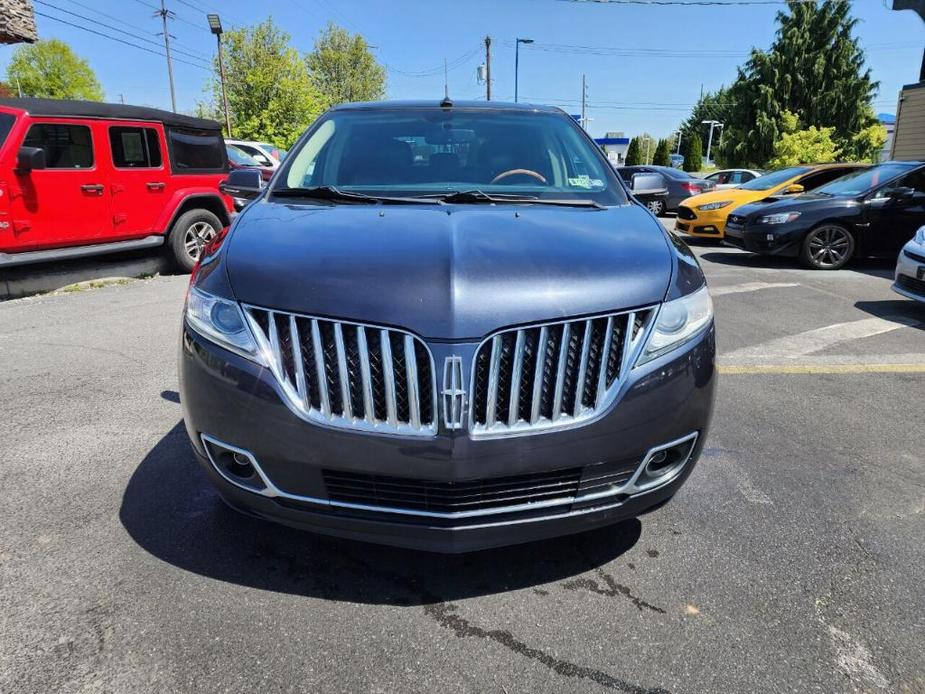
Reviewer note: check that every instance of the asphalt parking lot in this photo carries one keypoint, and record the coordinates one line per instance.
(791, 561)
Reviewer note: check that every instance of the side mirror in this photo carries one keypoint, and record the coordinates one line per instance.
(648, 183)
(246, 184)
(902, 194)
(30, 158)
(793, 189)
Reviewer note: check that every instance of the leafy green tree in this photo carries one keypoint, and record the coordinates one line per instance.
(814, 69)
(342, 68)
(802, 146)
(270, 94)
(633, 157)
(647, 146)
(50, 69)
(662, 157)
(867, 144)
(693, 153)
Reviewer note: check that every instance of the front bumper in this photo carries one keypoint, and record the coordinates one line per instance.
(237, 402)
(910, 273)
(710, 224)
(766, 240)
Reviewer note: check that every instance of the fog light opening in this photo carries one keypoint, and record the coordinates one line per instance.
(666, 462)
(234, 464)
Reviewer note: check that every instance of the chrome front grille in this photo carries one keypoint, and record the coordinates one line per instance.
(349, 375)
(552, 376)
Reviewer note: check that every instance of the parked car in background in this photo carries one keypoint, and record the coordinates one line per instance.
(910, 268)
(446, 326)
(705, 215)
(870, 212)
(732, 178)
(681, 185)
(239, 160)
(651, 189)
(82, 178)
(677, 160)
(265, 154)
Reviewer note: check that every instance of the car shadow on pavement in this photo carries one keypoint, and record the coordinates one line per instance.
(875, 267)
(904, 311)
(172, 511)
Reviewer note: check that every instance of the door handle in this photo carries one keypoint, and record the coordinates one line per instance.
(155, 185)
(92, 188)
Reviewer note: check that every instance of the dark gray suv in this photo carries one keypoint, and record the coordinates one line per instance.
(446, 326)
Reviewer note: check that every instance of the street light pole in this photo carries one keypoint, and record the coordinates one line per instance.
(215, 26)
(712, 124)
(517, 43)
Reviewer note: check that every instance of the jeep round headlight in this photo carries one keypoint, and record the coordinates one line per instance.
(677, 323)
(222, 322)
(714, 205)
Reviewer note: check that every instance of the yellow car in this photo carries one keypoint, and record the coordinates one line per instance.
(705, 215)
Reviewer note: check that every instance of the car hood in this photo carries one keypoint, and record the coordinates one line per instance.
(795, 203)
(737, 195)
(449, 271)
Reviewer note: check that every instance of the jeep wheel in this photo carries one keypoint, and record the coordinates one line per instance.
(827, 247)
(190, 233)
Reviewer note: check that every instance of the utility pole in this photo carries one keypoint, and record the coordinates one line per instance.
(215, 26)
(488, 68)
(584, 102)
(165, 14)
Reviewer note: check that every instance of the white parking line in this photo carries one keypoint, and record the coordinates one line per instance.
(815, 340)
(749, 287)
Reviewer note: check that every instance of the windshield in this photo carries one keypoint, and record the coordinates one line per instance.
(861, 181)
(774, 179)
(6, 125)
(434, 151)
(241, 158)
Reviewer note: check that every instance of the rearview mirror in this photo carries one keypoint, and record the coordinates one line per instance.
(793, 189)
(30, 158)
(242, 183)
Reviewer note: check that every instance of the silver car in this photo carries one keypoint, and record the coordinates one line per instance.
(910, 268)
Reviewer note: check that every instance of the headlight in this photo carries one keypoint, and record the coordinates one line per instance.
(714, 205)
(678, 322)
(222, 322)
(779, 218)
(920, 236)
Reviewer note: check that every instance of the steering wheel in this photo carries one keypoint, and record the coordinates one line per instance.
(516, 172)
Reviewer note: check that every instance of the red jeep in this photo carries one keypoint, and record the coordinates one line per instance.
(81, 178)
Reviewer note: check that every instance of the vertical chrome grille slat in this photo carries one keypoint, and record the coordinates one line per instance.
(491, 408)
(578, 369)
(560, 371)
(514, 407)
(319, 369)
(296, 343)
(411, 366)
(388, 369)
(342, 371)
(582, 368)
(602, 371)
(366, 382)
(538, 375)
(274, 347)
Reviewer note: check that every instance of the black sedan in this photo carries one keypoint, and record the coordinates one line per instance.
(681, 185)
(871, 212)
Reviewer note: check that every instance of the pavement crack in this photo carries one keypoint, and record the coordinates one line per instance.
(444, 614)
(611, 589)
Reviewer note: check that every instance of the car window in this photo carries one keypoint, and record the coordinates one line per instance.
(861, 180)
(135, 148)
(261, 158)
(914, 180)
(240, 157)
(774, 179)
(743, 177)
(720, 177)
(820, 178)
(428, 151)
(66, 146)
(196, 151)
(6, 125)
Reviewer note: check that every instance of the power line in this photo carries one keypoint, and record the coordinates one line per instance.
(429, 72)
(113, 38)
(109, 26)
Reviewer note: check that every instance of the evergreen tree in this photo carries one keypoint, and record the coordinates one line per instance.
(814, 69)
(661, 154)
(693, 153)
(633, 157)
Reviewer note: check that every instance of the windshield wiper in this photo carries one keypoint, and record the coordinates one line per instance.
(477, 196)
(334, 194)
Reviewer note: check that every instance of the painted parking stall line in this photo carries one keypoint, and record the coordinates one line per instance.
(749, 287)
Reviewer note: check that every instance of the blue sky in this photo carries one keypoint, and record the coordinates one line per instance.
(650, 71)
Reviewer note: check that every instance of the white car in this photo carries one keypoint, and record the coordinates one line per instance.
(910, 268)
(266, 154)
(732, 178)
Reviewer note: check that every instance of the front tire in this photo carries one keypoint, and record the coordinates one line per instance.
(189, 234)
(827, 247)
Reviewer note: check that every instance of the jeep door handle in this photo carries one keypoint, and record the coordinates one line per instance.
(92, 188)
(155, 185)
